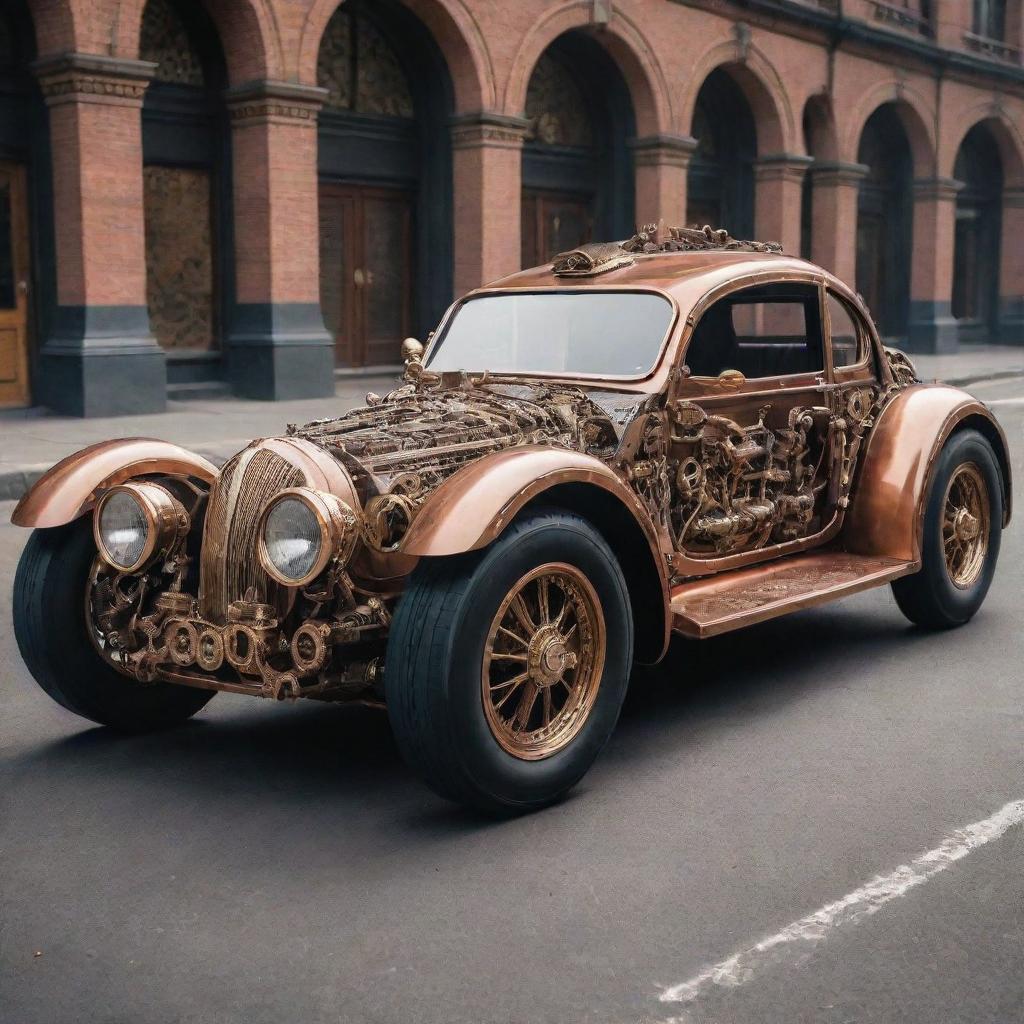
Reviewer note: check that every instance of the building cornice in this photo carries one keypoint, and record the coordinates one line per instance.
(266, 99)
(93, 78)
(486, 128)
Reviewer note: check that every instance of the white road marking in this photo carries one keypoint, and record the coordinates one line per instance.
(741, 967)
(1006, 401)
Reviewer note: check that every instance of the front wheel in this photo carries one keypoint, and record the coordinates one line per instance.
(51, 626)
(507, 668)
(960, 541)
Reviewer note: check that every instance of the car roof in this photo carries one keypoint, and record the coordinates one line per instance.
(687, 276)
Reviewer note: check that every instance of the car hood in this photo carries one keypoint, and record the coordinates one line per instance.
(416, 436)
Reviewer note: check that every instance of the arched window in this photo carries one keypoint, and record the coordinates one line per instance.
(720, 181)
(185, 149)
(976, 252)
(577, 173)
(884, 221)
(385, 181)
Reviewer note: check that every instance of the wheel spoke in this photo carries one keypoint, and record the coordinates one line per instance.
(522, 613)
(513, 684)
(543, 612)
(547, 706)
(513, 636)
(507, 656)
(522, 716)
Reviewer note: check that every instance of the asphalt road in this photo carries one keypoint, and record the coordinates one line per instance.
(280, 864)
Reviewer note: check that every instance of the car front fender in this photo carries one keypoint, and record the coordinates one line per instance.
(71, 487)
(887, 507)
(473, 507)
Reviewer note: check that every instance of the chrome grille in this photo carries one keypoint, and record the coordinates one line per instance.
(230, 563)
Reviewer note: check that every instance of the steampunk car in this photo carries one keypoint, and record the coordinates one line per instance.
(677, 433)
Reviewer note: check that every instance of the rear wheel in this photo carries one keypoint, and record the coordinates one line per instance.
(53, 632)
(507, 668)
(960, 543)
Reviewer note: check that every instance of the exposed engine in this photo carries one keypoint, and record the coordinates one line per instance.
(745, 487)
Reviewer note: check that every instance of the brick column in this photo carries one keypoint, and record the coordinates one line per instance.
(778, 180)
(277, 345)
(660, 163)
(100, 358)
(487, 182)
(932, 327)
(834, 217)
(1011, 268)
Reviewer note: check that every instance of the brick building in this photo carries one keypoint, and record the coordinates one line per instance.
(258, 192)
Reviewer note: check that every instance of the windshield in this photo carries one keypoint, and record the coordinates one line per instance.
(604, 334)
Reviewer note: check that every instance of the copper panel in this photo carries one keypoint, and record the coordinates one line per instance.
(70, 488)
(887, 505)
(729, 601)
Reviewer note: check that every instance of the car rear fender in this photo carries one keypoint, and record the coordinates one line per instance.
(887, 507)
(472, 508)
(71, 488)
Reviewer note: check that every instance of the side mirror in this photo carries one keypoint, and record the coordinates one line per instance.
(412, 350)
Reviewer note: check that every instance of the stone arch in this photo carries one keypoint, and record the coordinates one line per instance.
(454, 30)
(247, 29)
(1008, 138)
(627, 46)
(762, 86)
(915, 114)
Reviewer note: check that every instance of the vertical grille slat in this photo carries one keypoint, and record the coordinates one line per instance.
(230, 564)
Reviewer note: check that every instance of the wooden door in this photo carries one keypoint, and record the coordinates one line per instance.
(14, 286)
(366, 272)
(553, 223)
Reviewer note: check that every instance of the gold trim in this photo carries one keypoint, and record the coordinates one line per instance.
(543, 662)
(966, 525)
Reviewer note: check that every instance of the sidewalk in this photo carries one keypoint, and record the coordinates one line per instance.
(32, 440)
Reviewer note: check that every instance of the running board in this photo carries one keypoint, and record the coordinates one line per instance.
(717, 604)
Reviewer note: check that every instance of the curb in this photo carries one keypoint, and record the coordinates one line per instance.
(15, 481)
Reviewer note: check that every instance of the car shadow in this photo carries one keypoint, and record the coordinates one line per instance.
(344, 759)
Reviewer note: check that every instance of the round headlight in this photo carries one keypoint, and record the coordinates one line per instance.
(134, 522)
(301, 530)
(292, 538)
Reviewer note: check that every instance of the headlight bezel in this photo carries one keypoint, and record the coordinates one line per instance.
(336, 520)
(164, 522)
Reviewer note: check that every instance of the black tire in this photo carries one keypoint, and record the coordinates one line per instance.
(50, 625)
(930, 598)
(435, 658)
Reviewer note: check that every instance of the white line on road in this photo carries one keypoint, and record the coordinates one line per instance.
(1006, 401)
(743, 966)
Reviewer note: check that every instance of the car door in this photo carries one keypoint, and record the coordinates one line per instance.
(753, 452)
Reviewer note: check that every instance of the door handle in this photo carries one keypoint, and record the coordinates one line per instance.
(358, 277)
(23, 287)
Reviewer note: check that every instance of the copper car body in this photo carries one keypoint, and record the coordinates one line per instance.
(690, 497)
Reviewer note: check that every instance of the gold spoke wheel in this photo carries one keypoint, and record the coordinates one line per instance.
(966, 525)
(543, 661)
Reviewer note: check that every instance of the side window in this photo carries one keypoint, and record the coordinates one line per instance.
(767, 331)
(848, 342)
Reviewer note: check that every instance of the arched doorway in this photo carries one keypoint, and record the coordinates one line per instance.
(385, 181)
(577, 175)
(885, 221)
(186, 184)
(720, 181)
(27, 275)
(976, 251)
(819, 144)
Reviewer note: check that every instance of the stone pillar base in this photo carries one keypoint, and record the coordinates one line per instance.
(1011, 321)
(280, 351)
(102, 361)
(932, 329)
